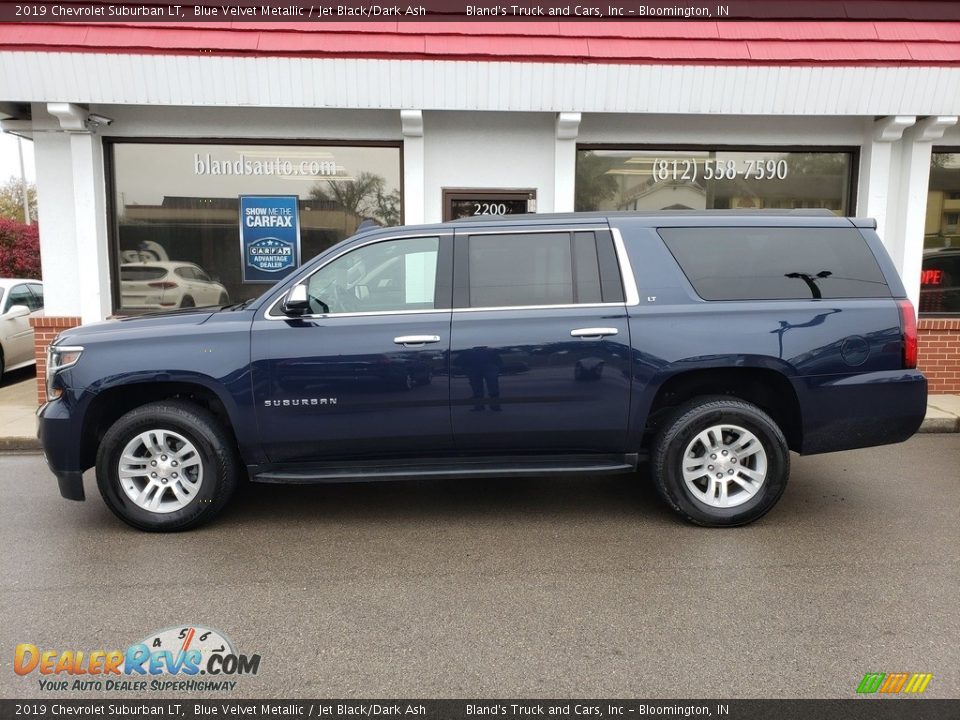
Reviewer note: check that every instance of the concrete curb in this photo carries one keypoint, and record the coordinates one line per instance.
(19, 445)
(940, 423)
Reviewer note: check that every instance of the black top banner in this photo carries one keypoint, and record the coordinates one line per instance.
(185, 709)
(481, 10)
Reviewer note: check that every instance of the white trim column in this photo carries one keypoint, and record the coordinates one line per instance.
(565, 161)
(89, 211)
(915, 170)
(875, 168)
(414, 177)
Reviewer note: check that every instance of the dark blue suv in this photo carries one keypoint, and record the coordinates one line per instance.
(710, 344)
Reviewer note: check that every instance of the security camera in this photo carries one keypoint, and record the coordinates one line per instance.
(99, 120)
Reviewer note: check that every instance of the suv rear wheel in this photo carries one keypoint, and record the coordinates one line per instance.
(720, 462)
(166, 466)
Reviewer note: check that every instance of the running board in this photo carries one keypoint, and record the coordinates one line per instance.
(364, 471)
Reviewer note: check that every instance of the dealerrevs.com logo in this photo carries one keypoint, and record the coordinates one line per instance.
(191, 658)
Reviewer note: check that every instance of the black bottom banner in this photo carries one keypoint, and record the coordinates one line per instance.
(852, 709)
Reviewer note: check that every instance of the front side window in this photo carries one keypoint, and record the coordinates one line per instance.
(712, 179)
(37, 290)
(940, 273)
(20, 295)
(389, 276)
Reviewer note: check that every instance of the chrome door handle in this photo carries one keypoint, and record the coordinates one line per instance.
(593, 332)
(416, 340)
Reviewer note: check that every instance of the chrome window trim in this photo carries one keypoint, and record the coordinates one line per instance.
(564, 306)
(532, 231)
(630, 292)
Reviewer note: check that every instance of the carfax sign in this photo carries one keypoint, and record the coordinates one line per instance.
(269, 236)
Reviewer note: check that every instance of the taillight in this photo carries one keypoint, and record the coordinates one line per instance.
(908, 324)
(162, 285)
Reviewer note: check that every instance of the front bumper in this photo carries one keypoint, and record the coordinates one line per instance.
(58, 434)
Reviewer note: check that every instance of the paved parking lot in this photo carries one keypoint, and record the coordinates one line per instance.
(584, 587)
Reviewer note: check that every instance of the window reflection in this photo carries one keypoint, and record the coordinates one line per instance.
(177, 211)
(618, 179)
(940, 275)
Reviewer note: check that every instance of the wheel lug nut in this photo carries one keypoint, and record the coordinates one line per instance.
(724, 452)
(164, 481)
(163, 457)
(174, 463)
(153, 474)
(733, 460)
(709, 467)
(153, 462)
(719, 475)
(175, 475)
(713, 457)
(729, 472)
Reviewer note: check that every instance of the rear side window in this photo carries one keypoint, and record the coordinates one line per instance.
(761, 263)
(141, 274)
(529, 269)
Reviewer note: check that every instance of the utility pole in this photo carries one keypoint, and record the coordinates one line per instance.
(23, 184)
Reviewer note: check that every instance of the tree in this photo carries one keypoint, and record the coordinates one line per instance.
(11, 200)
(593, 185)
(19, 250)
(364, 196)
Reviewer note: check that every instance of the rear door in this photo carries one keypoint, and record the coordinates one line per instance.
(540, 345)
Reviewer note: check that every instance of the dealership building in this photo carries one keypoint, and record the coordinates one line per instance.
(148, 135)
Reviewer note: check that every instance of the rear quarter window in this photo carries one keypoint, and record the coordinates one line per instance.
(762, 263)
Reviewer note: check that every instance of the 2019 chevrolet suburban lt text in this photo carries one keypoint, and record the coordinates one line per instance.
(712, 344)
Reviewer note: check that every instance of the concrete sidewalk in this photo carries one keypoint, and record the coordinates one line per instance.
(18, 407)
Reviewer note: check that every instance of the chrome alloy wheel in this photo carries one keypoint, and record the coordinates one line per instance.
(160, 471)
(724, 466)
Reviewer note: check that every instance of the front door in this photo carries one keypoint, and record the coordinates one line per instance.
(540, 346)
(365, 374)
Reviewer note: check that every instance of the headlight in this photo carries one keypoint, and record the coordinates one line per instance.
(59, 358)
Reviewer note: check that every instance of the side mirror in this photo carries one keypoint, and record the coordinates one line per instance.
(17, 311)
(297, 302)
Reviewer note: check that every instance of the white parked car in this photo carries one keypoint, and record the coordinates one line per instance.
(19, 301)
(165, 285)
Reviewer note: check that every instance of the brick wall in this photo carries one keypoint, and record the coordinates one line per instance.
(939, 353)
(45, 330)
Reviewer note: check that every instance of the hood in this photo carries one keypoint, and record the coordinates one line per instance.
(158, 324)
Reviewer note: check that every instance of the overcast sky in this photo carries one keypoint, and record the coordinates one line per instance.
(10, 162)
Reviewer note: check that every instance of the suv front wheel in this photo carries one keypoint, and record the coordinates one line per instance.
(166, 466)
(721, 462)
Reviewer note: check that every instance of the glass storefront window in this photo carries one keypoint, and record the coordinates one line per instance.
(177, 212)
(940, 276)
(651, 179)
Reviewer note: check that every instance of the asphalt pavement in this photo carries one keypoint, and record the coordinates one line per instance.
(512, 588)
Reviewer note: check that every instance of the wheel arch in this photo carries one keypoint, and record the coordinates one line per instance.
(767, 387)
(110, 404)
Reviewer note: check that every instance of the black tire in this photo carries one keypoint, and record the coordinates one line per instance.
(187, 302)
(214, 445)
(682, 428)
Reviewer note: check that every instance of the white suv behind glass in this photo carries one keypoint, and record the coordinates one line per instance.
(163, 285)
